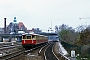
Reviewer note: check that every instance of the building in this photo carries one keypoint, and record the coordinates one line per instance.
(1, 30)
(21, 26)
(15, 27)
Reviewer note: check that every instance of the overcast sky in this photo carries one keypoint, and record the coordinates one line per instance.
(40, 13)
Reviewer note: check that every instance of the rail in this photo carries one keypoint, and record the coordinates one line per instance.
(17, 53)
(66, 58)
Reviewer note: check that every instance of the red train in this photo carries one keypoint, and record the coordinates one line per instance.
(32, 40)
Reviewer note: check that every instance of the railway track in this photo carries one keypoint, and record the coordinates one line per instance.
(44, 52)
(6, 44)
(11, 55)
(7, 48)
(16, 54)
(49, 53)
(37, 54)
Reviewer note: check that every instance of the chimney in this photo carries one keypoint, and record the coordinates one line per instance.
(4, 25)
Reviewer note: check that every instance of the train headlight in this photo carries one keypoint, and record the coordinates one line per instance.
(32, 41)
(24, 41)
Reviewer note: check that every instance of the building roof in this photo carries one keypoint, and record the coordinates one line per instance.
(20, 24)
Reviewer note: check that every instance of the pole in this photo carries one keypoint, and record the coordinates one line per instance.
(5, 25)
(51, 25)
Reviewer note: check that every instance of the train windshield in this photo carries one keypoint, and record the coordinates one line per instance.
(24, 37)
(28, 37)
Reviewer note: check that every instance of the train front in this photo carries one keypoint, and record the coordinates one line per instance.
(33, 40)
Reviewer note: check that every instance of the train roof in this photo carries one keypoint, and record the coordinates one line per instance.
(28, 34)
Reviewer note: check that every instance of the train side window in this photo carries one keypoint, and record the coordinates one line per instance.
(28, 37)
(24, 36)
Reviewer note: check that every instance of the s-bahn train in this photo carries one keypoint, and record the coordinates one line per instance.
(32, 40)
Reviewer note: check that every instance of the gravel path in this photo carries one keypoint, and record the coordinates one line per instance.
(56, 51)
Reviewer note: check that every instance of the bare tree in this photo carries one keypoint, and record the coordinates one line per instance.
(56, 29)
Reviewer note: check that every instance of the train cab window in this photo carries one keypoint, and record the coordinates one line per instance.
(28, 37)
(33, 36)
(24, 36)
